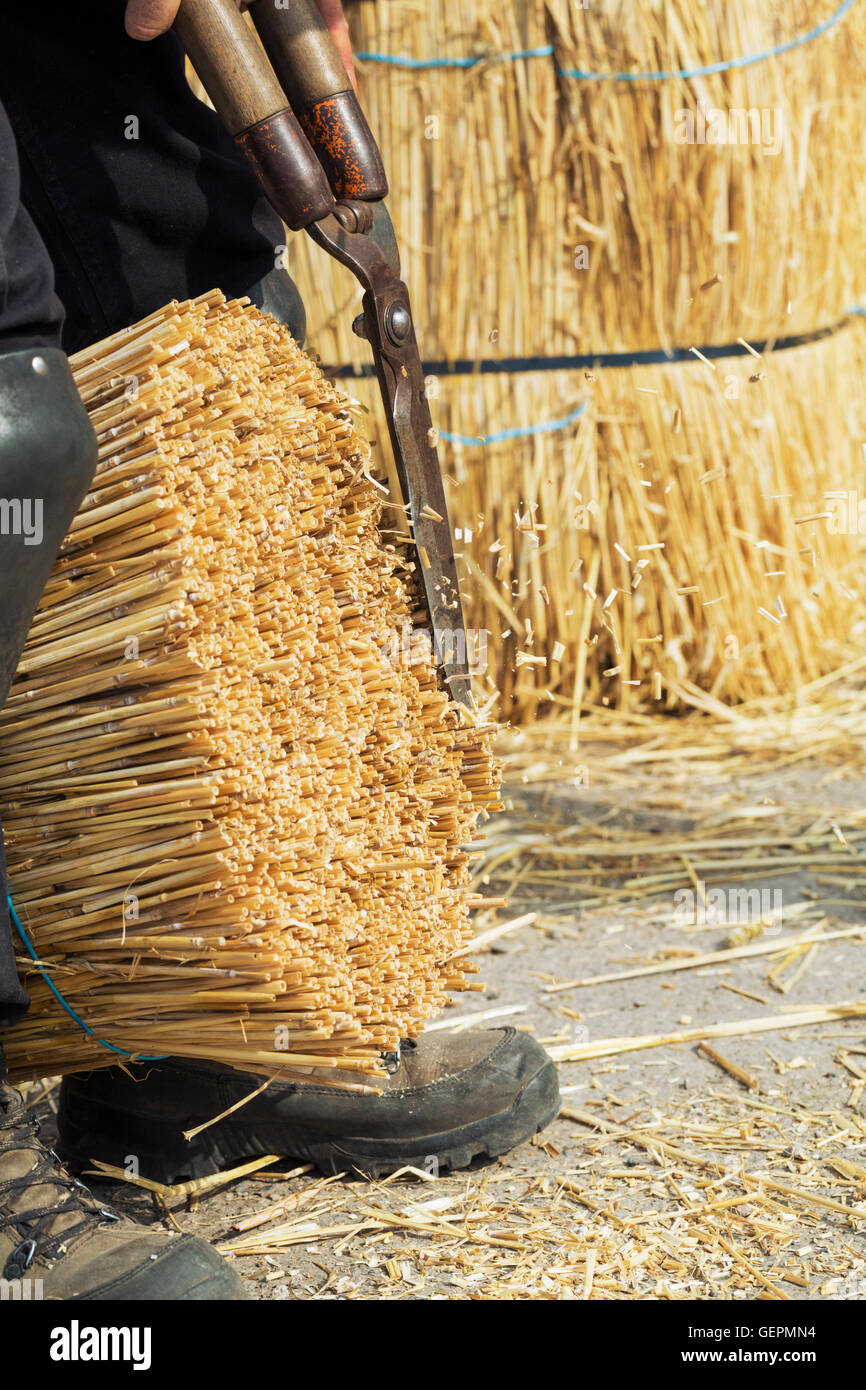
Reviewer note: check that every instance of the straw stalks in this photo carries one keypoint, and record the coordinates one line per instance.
(234, 803)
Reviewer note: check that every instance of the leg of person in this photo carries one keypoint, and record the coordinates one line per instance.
(47, 454)
(138, 193)
(51, 1229)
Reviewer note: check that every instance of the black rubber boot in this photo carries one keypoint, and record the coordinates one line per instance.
(47, 459)
(448, 1100)
(55, 1234)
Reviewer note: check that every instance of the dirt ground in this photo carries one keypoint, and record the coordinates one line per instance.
(669, 1173)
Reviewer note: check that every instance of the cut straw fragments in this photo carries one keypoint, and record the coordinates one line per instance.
(234, 796)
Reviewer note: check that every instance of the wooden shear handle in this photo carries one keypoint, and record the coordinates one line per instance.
(314, 79)
(253, 105)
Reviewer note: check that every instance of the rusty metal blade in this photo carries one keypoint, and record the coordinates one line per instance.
(389, 329)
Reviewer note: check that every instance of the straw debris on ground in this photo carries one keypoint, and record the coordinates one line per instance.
(678, 1168)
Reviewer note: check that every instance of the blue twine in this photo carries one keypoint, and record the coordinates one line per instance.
(157, 1057)
(398, 62)
(725, 65)
(519, 432)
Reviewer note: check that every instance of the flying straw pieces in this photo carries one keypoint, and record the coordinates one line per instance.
(696, 534)
(234, 798)
(539, 215)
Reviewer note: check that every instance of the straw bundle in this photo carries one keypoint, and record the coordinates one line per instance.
(697, 537)
(233, 796)
(541, 214)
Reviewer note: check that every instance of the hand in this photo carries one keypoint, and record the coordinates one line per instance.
(147, 19)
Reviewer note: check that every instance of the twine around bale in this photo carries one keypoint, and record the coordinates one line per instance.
(136, 1056)
(580, 74)
(558, 362)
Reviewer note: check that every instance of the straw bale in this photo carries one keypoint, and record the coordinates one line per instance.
(234, 797)
(541, 215)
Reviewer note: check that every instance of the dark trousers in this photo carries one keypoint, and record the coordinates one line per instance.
(119, 191)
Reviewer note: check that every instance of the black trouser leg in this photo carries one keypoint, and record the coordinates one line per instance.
(47, 452)
(30, 316)
(138, 193)
(13, 999)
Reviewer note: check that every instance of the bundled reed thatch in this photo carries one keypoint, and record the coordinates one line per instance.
(690, 542)
(234, 798)
(541, 214)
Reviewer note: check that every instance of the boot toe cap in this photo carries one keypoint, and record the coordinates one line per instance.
(158, 1269)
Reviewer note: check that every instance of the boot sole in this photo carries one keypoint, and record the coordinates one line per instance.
(163, 1155)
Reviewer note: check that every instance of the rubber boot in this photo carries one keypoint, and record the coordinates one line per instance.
(58, 1242)
(446, 1101)
(47, 460)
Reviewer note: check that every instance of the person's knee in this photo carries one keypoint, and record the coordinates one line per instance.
(48, 456)
(48, 448)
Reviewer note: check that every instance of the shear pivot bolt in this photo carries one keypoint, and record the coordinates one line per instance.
(398, 322)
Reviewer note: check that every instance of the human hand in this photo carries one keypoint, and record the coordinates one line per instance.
(147, 19)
